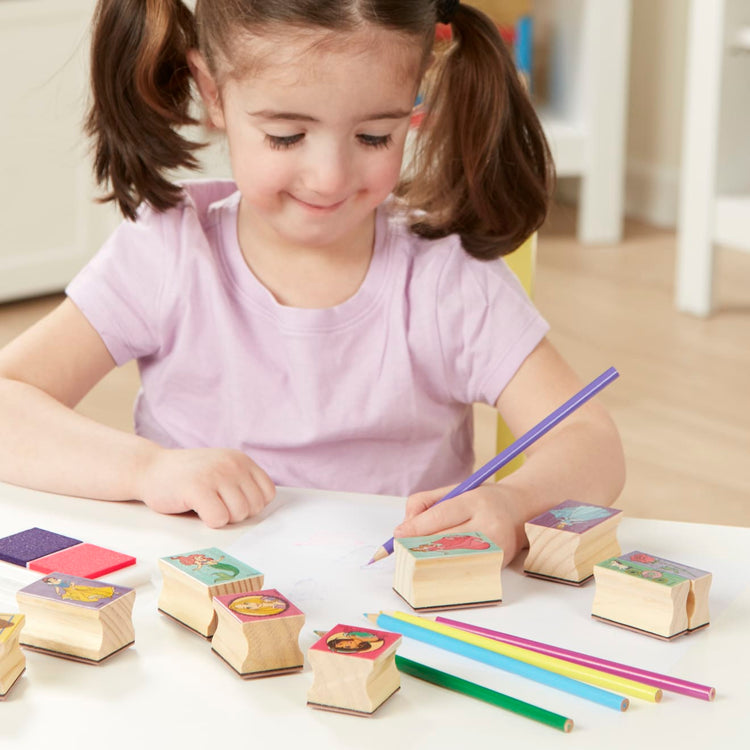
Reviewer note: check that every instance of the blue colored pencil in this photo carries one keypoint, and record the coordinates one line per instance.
(537, 674)
(519, 446)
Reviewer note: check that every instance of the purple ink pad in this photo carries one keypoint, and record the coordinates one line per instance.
(25, 546)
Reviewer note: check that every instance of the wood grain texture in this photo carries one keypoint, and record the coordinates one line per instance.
(12, 658)
(62, 628)
(561, 554)
(258, 646)
(432, 580)
(655, 606)
(189, 601)
(353, 682)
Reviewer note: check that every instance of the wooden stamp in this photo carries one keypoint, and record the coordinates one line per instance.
(76, 618)
(12, 658)
(191, 580)
(354, 670)
(700, 584)
(257, 633)
(651, 595)
(567, 541)
(448, 571)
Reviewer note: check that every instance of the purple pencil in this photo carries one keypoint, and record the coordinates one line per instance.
(665, 682)
(519, 446)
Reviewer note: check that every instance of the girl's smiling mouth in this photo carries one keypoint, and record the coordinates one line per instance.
(316, 207)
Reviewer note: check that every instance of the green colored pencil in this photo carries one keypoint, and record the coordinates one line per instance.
(459, 685)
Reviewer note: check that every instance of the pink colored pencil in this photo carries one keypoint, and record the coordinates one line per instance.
(665, 682)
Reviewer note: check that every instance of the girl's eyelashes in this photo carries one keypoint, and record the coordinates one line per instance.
(375, 141)
(287, 141)
(283, 141)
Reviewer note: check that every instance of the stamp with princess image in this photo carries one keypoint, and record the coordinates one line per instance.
(448, 545)
(638, 570)
(364, 643)
(574, 516)
(211, 566)
(258, 605)
(665, 566)
(82, 592)
(8, 625)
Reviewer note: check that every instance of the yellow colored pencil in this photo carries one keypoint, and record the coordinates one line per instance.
(588, 675)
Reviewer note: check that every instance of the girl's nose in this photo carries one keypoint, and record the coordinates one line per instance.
(329, 172)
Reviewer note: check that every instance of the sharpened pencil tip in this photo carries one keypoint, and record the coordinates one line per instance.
(380, 553)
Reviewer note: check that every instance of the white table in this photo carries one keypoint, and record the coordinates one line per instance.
(170, 690)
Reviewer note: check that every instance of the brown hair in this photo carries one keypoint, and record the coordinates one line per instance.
(482, 167)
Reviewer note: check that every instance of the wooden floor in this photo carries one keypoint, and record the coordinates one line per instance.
(682, 401)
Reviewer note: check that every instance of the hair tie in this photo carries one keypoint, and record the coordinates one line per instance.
(446, 9)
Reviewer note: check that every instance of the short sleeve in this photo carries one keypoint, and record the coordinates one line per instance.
(119, 290)
(487, 326)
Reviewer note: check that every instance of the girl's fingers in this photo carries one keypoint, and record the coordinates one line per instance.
(264, 484)
(440, 517)
(241, 501)
(256, 496)
(420, 501)
(212, 510)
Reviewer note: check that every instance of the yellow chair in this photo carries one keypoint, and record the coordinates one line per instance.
(523, 263)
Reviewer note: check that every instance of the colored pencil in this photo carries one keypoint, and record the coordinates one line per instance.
(665, 682)
(459, 685)
(519, 446)
(559, 682)
(562, 667)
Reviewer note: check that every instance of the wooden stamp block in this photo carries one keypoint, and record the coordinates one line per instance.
(568, 540)
(76, 618)
(448, 571)
(25, 546)
(12, 658)
(646, 593)
(191, 580)
(354, 669)
(84, 560)
(257, 633)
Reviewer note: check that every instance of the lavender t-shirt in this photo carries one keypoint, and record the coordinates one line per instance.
(372, 395)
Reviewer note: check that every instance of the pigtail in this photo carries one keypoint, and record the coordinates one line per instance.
(482, 165)
(141, 87)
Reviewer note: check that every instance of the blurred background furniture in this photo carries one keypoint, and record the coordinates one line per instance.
(49, 222)
(715, 179)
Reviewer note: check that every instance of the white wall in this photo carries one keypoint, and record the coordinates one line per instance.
(654, 127)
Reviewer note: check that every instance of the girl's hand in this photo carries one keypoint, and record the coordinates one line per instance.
(222, 486)
(490, 509)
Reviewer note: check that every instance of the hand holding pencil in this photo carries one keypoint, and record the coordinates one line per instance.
(519, 446)
(490, 509)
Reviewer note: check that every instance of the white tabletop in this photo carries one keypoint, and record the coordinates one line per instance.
(169, 689)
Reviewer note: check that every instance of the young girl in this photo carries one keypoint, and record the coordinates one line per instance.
(320, 321)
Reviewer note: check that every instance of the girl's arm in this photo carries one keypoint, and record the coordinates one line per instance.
(580, 459)
(46, 445)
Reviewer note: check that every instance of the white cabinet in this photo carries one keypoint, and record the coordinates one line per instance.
(715, 180)
(49, 223)
(584, 106)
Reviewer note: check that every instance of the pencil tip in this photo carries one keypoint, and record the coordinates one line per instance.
(380, 553)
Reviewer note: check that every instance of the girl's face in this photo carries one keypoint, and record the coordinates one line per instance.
(316, 136)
